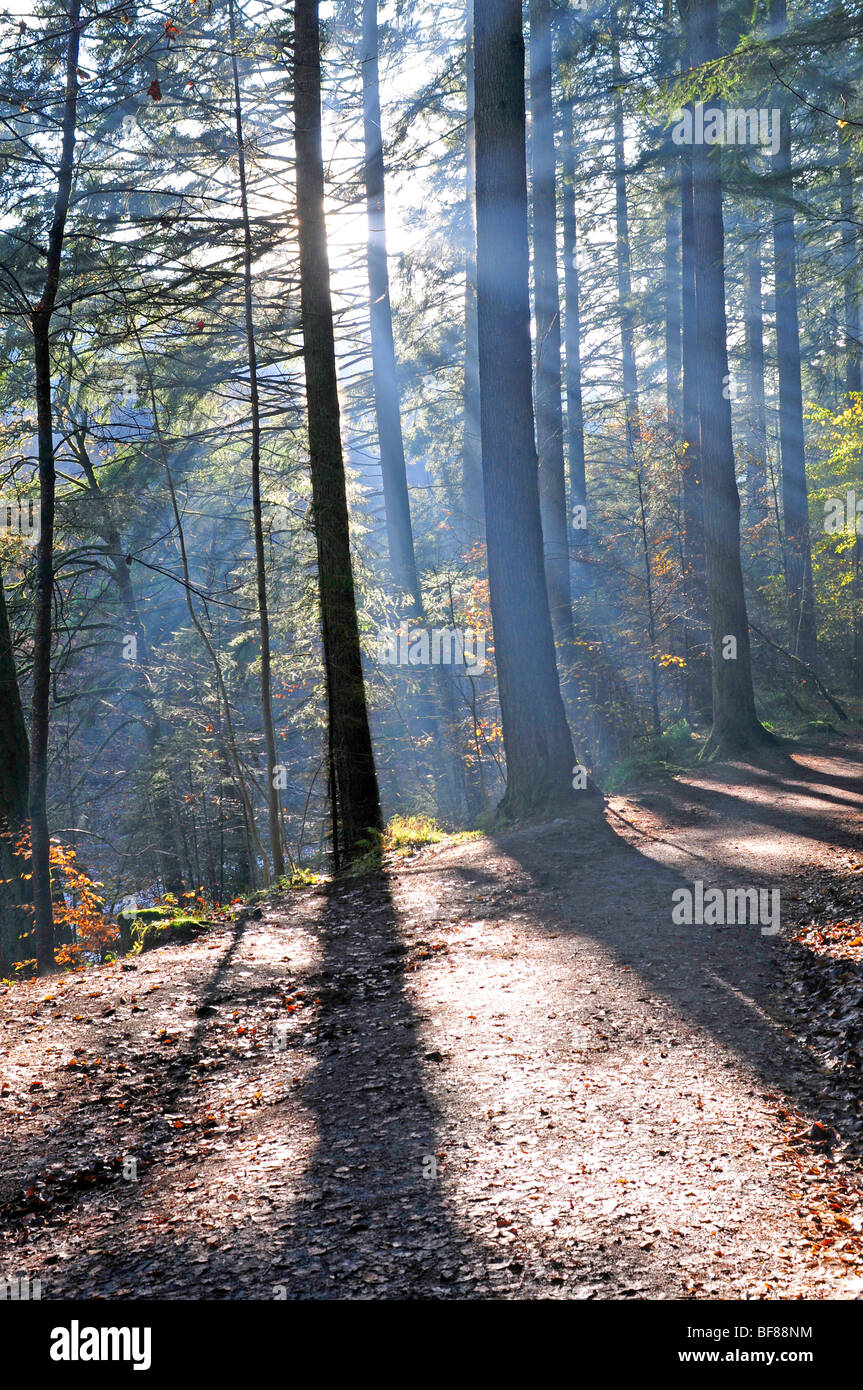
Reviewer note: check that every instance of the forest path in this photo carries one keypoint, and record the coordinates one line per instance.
(496, 1070)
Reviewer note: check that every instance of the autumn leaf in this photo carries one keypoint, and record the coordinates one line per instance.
(154, 90)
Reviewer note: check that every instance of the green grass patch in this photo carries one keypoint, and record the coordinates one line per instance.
(406, 833)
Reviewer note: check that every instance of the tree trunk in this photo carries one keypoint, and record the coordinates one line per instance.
(853, 375)
(165, 814)
(387, 412)
(673, 325)
(699, 695)
(549, 403)
(672, 49)
(472, 504)
(624, 260)
(756, 470)
(14, 789)
(40, 319)
(795, 501)
(572, 335)
(630, 369)
(536, 737)
(353, 781)
(736, 728)
(388, 409)
(273, 799)
(231, 747)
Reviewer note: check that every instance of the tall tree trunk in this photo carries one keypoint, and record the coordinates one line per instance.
(795, 501)
(400, 541)
(387, 411)
(853, 370)
(604, 712)
(472, 504)
(549, 403)
(853, 375)
(273, 800)
(624, 259)
(165, 816)
(753, 314)
(14, 790)
(572, 334)
(736, 729)
(40, 320)
(536, 737)
(353, 781)
(671, 48)
(627, 344)
(672, 290)
(696, 637)
(231, 747)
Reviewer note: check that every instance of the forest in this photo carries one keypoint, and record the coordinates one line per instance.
(431, 649)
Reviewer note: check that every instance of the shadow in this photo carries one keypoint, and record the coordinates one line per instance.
(795, 774)
(826, 824)
(371, 1218)
(728, 981)
(364, 1218)
(368, 1215)
(381, 1208)
(163, 1085)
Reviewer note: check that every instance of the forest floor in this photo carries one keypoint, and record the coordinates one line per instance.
(496, 1069)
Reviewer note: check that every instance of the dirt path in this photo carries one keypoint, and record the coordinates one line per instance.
(498, 1070)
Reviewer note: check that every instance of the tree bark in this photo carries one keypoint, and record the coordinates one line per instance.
(266, 687)
(696, 635)
(14, 791)
(624, 259)
(40, 320)
(672, 49)
(549, 401)
(472, 504)
(387, 408)
(673, 325)
(165, 815)
(537, 741)
(572, 331)
(231, 747)
(795, 501)
(756, 470)
(353, 781)
(736, 729)
(627, 345)
(853, 375)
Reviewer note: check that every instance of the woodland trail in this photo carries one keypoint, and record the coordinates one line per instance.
(495, 1070)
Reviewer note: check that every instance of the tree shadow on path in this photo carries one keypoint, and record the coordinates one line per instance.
(728, 980)
(371, 1217)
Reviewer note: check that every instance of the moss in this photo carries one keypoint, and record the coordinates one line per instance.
(144, 914)
(129, 918)
(149, 933)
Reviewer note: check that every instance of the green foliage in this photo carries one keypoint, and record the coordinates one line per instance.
(403, 834)
(658, 760)
(148, 934)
